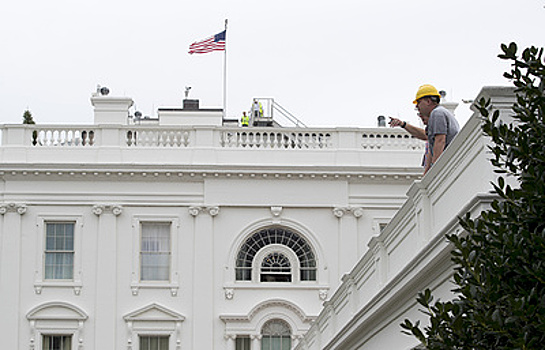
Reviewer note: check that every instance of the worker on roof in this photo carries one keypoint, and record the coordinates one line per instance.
(441, 126)
(244, 120)
(257, 109)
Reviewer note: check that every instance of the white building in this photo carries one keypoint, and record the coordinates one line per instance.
(411, 253)
(185, 233)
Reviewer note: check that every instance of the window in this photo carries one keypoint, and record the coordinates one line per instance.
(59, 251)
(153, 342)
(278, 236)
(276, 335)
(276, 267)
(155, 251)
(57, 342)
(242, 343)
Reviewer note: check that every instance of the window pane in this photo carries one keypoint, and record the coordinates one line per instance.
(269, 236)
(242, 343)
(153, 342)
(59, 251)
(155, 252)
(57, 342)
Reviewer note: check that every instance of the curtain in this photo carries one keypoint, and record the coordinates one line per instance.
(155, 252)
(153, 342)
(57, 342)
(59, 251)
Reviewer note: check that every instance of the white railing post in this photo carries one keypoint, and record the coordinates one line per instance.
(15, 135)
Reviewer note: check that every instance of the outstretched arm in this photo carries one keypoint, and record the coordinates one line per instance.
(417, 132)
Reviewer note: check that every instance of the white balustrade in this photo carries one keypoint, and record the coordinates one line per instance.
(63, 137)
(223, 137)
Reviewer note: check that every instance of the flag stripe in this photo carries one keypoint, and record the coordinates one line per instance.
(213, 43)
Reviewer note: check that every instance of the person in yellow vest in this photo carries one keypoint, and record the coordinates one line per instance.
(245, 120)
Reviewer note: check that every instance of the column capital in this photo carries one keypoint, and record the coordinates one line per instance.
(114, 209)
(13, 208)
(357, 212)
(211, 210)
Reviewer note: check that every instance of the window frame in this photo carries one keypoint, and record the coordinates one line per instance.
(172, 283)
(273, 336)
(142, 252)
(276, 248)
(54, 334)
(57, 318)
(244, 339)
(40, 281)
(155, 335)
(58, 251)
(254, 270)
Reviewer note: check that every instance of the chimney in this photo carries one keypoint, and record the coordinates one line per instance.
(109, 109)
(191, 105)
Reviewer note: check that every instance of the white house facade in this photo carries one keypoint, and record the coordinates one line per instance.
(187, 233)
(412, 253)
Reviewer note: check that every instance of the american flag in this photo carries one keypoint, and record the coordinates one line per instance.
(213, 43)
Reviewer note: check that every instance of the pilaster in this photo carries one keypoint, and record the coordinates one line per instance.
(106, 275)
(203, 283)
(10, 272)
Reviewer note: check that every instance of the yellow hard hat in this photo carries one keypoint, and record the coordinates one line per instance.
(426, 90)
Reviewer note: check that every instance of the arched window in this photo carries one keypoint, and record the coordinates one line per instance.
(276, 335)
(275, 267)
(278, 236)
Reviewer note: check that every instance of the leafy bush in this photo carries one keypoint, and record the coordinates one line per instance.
(499, 262)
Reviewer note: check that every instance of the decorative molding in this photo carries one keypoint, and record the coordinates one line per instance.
(196, 210)
(213, 211)
(114, 209)
(56, 315)
(357, 212)
(13, 208)
(143, 319)
(322, 294)
(229, 293)
(276, 211)
(339, 212)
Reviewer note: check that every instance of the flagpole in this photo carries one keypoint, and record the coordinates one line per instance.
(225, 75)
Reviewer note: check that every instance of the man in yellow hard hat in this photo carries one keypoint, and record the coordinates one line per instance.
(441, 126)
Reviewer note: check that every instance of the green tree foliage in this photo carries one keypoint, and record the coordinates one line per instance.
(27, 118)
(499, 261)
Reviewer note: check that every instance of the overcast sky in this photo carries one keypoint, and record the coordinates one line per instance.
(330, 63)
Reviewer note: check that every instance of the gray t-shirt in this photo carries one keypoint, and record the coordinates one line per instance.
(441, 122)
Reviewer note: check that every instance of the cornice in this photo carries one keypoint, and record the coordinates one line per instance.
(159, 173)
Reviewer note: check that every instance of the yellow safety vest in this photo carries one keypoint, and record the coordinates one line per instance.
(245, 120)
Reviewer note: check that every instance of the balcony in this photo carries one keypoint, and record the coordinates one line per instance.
(209, 145)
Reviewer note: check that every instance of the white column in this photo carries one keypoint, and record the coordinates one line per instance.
(10, 274)
(348, 239)
(230, 341)
(203, 283)
(106, 277)
(256, 341)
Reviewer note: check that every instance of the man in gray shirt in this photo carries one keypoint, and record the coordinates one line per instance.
(441, 126)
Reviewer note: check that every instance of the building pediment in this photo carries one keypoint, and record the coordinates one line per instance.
(56, 311)
(154, 312)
